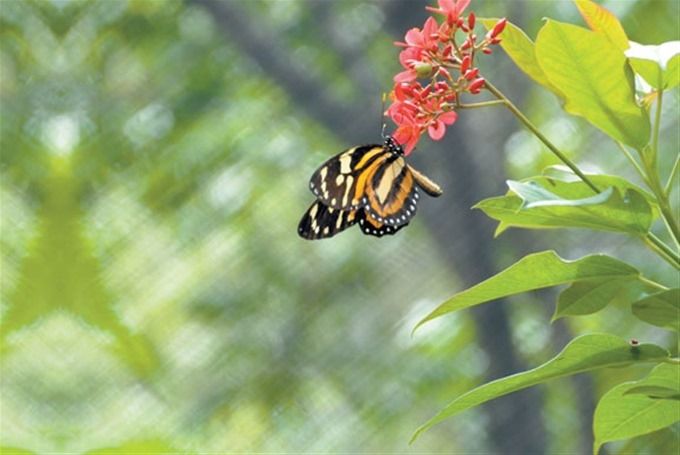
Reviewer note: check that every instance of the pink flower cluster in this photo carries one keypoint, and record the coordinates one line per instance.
(433, 53)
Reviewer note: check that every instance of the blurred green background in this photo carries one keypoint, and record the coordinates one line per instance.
(155, 295)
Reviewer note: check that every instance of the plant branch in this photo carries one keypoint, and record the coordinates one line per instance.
(540, 136)
(662, 249)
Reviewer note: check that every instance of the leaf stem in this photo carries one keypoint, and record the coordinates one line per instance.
(652, 283)
(672, 360)
(674, 171)
(540, 136)
(653, 179)
(662, 249)
(633, 161)
(657, 129)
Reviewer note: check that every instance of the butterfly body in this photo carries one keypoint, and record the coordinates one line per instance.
(371, 185)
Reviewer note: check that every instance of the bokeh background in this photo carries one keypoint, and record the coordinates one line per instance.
(155, 295)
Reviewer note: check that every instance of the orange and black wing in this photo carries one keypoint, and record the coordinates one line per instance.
(321, 221)
(392, 194)
(340, 182)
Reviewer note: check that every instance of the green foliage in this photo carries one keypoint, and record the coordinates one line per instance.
(601, 20)
(658, 65)
(521, 50)
(585, 353)
(590, 296)
(591, 73)
(624, 412)
(536, 271)
(661, 309)
(534, 206)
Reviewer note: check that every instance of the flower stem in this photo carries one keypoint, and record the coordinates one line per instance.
(481, 104)
(540, 136)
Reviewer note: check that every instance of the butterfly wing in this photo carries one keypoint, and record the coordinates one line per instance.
(371, 226)
(321, 221)
(339, 182)
(392, 193)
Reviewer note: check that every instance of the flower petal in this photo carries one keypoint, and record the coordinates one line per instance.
(449, 117)
(406, 76)
(436, 130)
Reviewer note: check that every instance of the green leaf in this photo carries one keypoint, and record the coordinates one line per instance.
(592, 74)
(661, 309)
(564, 206)
(562, 173)
(535, 271)
(585, 353)
(535, 196)
(601, 20)
(521, 50)
(658, 65)
(590, 296)
(655, 391)
(622, 415)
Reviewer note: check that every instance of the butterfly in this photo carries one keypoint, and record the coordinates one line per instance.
(371, 185)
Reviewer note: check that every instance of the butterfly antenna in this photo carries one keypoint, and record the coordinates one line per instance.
(382, 115)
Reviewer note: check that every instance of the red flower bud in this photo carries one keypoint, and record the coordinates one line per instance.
(476, 85)
(471, 21)
(465, 64)
(467, 44)
(498, 28)
(471, 74)
(447, 51)
(495, 41)
(487, 51)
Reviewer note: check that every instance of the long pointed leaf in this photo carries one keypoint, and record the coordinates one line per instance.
(535, 271)
(585, 353)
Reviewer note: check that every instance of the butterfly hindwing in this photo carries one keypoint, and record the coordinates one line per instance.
(371, 226)
(392, 194)
(339, 182)
(321, 221)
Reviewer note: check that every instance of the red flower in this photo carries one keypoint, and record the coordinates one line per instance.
(437, 128)
(407, 133)
(450, 8)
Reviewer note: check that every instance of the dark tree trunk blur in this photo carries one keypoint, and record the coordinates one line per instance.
(471, 169)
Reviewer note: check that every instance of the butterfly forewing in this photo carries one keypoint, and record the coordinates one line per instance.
(321, 221)
(339, 182)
